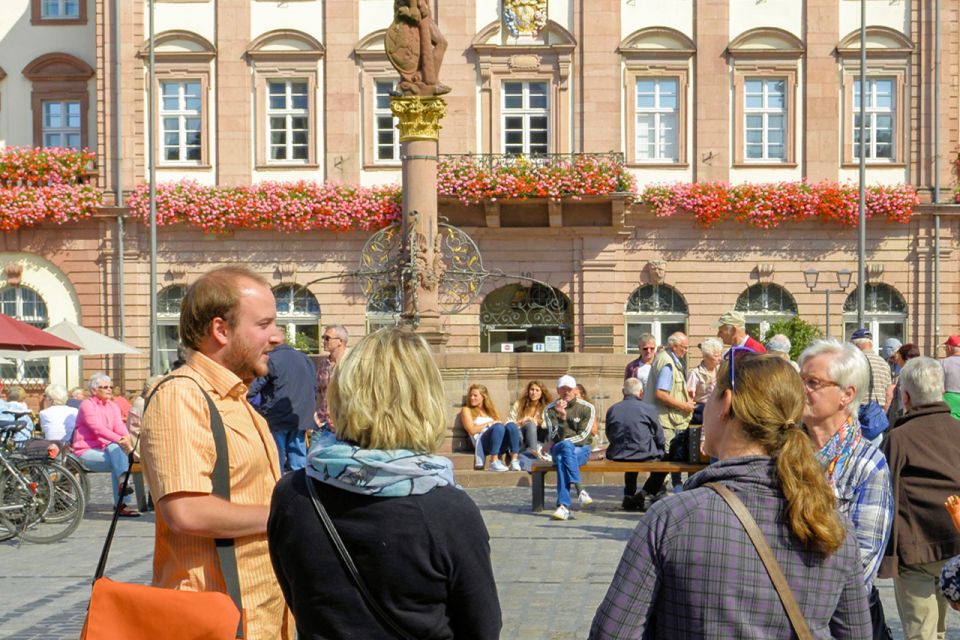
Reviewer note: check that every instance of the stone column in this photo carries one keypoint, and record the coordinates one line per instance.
(419, 135)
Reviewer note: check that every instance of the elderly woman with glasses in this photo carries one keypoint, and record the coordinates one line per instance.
(835, 377)
(101, 439)
(690, 569)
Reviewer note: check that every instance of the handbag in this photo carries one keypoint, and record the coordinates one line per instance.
(385, 618)
(780, 583)
(873, 419)
(136, 611)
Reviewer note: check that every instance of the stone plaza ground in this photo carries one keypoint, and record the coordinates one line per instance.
(551, 575)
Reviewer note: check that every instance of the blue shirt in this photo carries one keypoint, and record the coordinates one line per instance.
(288, 393)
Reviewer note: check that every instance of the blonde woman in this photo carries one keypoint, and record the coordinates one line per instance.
(418, 541)
(691, 554)
(490, 436)
(527, 412)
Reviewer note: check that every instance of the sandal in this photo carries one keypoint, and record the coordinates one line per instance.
(127, 512)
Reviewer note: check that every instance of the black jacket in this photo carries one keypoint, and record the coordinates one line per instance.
(634, 431)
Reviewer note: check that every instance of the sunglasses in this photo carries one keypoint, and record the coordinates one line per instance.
(734, 354)
(109, 388)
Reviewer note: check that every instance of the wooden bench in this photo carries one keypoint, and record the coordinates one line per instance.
(541, 468)
(143, 498)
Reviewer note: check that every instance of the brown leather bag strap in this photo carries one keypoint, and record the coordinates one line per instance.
(769, 561)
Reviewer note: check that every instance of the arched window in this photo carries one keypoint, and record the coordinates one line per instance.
(26, 305)
(383, 308)
(658, 309)
(885, 313)
(168, 324)
(298, 312)
(526, 318)
(764, 304)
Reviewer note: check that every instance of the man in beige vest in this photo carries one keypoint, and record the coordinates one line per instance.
(666, 389)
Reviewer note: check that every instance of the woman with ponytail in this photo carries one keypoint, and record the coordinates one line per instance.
(690, 570)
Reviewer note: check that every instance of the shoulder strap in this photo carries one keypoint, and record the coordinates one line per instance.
(380, 614)
(221, 488)
(780, 583)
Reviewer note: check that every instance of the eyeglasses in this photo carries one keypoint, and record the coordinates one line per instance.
(815, 384)
(648, 349)
(325, 338)
(734, 354)
(102, 388)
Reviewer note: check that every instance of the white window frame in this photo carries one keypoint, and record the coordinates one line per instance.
(166, 317)
(181, 113)
(60, 12)
(36, 320)
(65, 130)
(384, 112)
(765, 112)
(293, 318)
(526, 113)
(659, 113)
(873, 113)
(288, 112)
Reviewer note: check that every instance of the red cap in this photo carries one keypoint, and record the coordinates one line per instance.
(953, 341)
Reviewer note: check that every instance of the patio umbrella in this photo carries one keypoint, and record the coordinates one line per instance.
(17, 337)
(91, 343)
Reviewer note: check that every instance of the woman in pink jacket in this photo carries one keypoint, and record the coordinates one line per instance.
(101, 439)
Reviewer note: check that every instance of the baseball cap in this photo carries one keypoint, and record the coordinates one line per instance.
(862, 333)
(953, 341)
(566, 381)
(733, 318)
(889, 346)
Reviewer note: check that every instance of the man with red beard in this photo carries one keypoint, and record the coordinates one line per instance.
(228, 326)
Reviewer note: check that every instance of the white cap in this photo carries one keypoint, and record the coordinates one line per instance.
(566, 381)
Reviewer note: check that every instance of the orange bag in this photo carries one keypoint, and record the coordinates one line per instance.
(953, 507)
(130, 611)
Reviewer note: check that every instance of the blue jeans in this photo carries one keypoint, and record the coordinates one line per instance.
(292, 448)
(501, 438)
(569, 458)
(111, 459)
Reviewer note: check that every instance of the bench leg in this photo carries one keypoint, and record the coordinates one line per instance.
(140, 491)
(538, 490)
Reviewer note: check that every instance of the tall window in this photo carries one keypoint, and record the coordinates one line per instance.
(383, 308)
(880, 117)
(180, 121)
(385, 130)
(288, 121)
(658, 309)
(765, 119)
(168, 324)
(298, 313)
(62, 123)
(525, 117)
(885, 313)
(764, 304)
(657, 113)
(518, 318)
(60, 9)
(25, 305)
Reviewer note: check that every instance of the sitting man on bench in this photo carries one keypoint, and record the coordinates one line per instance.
(636, 435)
(571, 425)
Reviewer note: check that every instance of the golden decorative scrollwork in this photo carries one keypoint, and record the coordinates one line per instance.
(419, 117)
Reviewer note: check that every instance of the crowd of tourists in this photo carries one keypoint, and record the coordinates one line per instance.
(825, 473)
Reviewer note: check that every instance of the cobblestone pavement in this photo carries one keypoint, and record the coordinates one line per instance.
(551, 575)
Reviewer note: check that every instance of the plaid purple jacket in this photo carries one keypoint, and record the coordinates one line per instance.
(690, 571)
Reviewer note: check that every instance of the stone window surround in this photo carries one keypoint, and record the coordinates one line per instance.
(285, 64)
(373, 65)
(37, 19)
(533, 62)
(59, 76)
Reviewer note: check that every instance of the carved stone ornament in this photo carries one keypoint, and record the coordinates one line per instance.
(765, 273)
(524, 17)
(527, 62)
(874, 272)
(415, 48)
(656, 271)
(419, 117)
(13, 272)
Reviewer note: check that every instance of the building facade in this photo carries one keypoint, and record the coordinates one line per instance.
(254, 91)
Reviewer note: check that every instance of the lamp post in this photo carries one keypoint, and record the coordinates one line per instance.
(811, 276)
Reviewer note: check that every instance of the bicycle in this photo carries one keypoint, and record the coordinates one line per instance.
(40, 500)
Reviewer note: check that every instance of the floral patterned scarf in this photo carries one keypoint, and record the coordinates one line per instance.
(835, 453)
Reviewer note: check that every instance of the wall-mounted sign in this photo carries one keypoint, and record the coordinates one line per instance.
(553, 343)
(539, 347)
(506, 347)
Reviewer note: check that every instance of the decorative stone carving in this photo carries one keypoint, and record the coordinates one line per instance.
(656, 271)
(415, 47)
(526, 62)
(13, 272)
(524, 17)
(765, 273)
(419, 117)
(874, 272)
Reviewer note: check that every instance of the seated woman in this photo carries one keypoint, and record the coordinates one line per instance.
(690, 553)
(527, 412)
(57, 420)
(418, 541)
(101, 439)
(489, 435)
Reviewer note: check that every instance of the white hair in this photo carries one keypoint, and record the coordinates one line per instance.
(341, 332)
(632, 387)
(96, 379)
(922, 379)
(712, 347)
(675, 338)
(780, 343)
(848, 368)
(57, 393)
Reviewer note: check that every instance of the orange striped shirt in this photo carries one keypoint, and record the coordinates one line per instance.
(178, 455)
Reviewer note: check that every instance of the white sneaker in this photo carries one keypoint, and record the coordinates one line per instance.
(497, 466)
(515, 465)
(562, 513)
(585, 499)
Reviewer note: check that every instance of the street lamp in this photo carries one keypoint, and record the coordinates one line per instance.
(811, 276)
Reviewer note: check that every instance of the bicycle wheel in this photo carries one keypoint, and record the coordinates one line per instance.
(74, 466)
(54, 509)
(24, 496)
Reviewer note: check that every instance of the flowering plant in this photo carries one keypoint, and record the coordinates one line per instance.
(474, 178)
(767, 205)
(44, 185)
(280, 206)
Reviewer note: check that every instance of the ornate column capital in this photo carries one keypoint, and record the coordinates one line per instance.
(419, 117)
